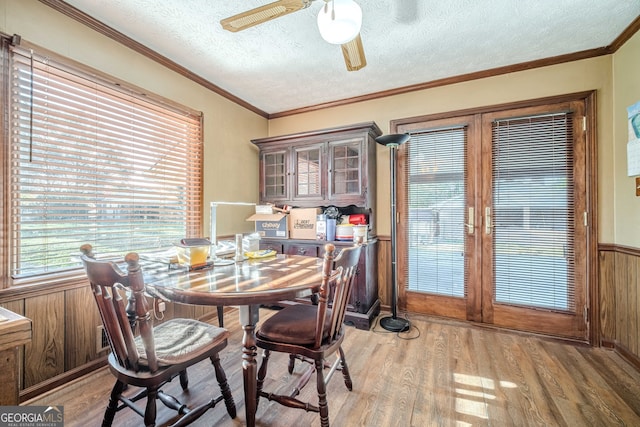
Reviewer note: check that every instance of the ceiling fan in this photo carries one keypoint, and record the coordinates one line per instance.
(338, 21)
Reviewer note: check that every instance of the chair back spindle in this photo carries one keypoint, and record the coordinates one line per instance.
(143, 317)
(323, 294)
(110, 304)
(337, 277)
(106, 278)
(347, 264)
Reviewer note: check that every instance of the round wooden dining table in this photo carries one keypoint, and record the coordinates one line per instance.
(246, 284)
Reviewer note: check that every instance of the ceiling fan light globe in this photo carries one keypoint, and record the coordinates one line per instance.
(346, 25)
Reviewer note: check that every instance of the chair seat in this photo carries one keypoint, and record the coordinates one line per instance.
(294, 324)
(177, 340)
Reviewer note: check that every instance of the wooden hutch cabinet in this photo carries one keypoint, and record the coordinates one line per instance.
(329, 167)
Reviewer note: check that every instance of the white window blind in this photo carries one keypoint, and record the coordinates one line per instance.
(95, 162)
(436, 202)
(533, 211)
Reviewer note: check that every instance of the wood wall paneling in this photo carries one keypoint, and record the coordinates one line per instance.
(205, 312)
(621, 272)
(44, 356)
(636, 326)
(619, 299)
(183, 310)
(633, 306)
(607, 297)
(65, 325)
(80, 328)
(384, 274)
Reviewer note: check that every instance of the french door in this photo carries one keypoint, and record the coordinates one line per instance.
(494, 218)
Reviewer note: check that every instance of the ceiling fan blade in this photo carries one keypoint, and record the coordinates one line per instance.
(353, 53)
(262, 14)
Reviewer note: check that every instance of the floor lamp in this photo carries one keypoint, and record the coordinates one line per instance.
(393, 323)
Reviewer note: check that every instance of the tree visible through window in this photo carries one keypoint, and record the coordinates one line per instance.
(95, 162)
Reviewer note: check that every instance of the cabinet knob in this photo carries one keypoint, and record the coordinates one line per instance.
(302, 251)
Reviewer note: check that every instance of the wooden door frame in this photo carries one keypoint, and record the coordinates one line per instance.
(591, 276)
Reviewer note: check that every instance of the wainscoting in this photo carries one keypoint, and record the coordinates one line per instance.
(619, 296)
(65, 341)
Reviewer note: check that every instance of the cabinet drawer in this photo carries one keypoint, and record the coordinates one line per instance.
(301, 249)
(274, 246)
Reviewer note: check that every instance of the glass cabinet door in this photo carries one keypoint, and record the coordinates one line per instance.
(307, 174)
(274, 175)
(345, 168)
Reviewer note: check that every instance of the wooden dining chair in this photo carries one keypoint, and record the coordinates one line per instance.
(159, 353)
(312, 333)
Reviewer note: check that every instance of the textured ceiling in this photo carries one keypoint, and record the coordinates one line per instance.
(284, 64)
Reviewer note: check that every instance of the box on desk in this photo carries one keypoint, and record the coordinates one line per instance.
(271, 225)
(302, 223)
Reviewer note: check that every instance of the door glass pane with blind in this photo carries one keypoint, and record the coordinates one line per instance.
(533, 215)
(436, 206)
(94, 163)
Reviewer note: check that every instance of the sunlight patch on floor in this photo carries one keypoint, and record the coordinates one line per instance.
(472, 395)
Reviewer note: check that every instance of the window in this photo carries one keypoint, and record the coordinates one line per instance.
(92, 161)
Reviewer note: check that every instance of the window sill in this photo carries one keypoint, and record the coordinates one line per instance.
(42, 285)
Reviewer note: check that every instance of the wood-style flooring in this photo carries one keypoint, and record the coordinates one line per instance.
(441, 373)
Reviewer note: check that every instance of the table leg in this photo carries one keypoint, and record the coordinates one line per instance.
(249, 315)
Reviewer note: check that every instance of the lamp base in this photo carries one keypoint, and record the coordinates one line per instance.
(394, 324)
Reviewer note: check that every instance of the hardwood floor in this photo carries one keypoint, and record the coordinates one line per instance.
(441, 373)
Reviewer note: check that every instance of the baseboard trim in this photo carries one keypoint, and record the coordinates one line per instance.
(64, 378)
(627, 355)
